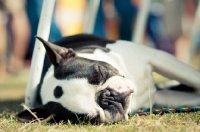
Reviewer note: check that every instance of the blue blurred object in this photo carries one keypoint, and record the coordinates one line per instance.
(127, 13)
(99, 23)
(33, 8)
(156, 31)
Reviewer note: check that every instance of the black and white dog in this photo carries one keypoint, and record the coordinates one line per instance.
(95, 79)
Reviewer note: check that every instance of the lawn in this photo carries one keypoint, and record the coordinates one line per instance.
(12, 90)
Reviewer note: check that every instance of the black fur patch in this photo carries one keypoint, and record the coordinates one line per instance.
(62, 114)
(95, 72)
(58, 92)
(58, 112)
(84, 41)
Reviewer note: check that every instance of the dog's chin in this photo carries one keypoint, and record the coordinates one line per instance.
(114, 100)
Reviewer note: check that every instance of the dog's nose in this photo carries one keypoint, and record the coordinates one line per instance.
(108, 95)
(104, 97)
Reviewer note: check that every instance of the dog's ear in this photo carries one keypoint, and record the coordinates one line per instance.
(56, 53)
(26, 116)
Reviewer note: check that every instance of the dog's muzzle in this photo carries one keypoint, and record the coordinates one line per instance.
(115, 99)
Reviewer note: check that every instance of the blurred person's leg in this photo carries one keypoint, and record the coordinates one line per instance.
(114, 19)
(157, 31)
(183, 42)
(2, 44)
(99, 28)
(20, 34)
(111, 23)
(127, 12)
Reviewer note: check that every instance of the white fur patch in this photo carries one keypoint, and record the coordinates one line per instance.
(119, 84)
(78, 95)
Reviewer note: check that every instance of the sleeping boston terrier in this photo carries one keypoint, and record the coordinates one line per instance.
(94, 79)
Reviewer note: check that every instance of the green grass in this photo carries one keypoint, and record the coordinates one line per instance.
(12, 90)
(167, 122)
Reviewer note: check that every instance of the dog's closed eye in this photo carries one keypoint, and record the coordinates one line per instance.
(98, 76)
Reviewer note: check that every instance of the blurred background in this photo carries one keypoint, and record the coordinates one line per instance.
(170, 26)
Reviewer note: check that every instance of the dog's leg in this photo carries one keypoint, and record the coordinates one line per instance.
(168, 66)
(170, 98)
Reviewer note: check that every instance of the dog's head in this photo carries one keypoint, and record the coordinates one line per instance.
(78, 89)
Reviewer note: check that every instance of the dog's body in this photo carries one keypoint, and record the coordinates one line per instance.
(105, 80)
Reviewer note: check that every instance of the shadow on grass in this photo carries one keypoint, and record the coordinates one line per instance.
(11, 105)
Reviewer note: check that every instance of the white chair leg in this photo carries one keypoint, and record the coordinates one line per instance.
(140, 25)
(39, 52)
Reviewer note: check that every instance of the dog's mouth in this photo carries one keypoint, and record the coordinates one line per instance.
(114, 100)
